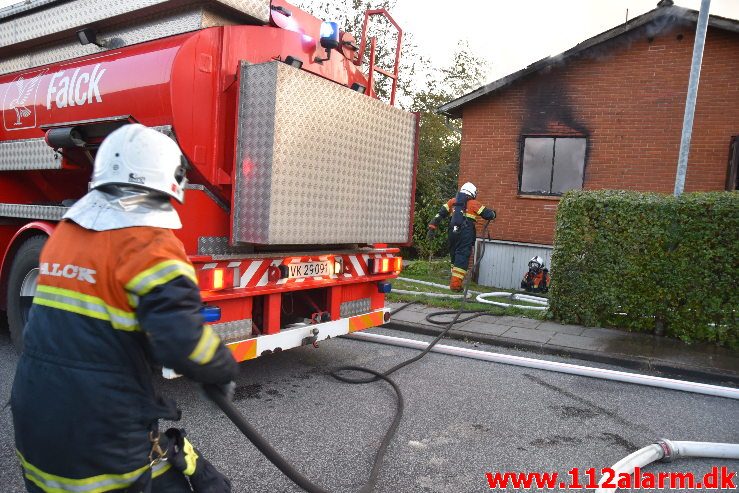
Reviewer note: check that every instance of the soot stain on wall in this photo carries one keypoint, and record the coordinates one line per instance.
(547, 102)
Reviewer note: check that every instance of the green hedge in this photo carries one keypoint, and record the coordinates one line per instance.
(645, 261)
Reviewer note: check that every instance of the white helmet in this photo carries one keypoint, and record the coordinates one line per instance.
(141, 156)
(536, 263)
(469, 189)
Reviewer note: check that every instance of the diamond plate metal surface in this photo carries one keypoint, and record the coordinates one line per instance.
(258, 9)
(153, 27)
(29, 154)
(79, 13)
(238, 330)
(218, 245)
(42, 212)
(318, 163)
(253, 168)
(351, 308)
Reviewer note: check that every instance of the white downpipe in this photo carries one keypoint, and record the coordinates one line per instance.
(481, 297)
(585, 371)
(668, 451)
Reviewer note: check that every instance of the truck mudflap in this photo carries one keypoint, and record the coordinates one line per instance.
(299, 336)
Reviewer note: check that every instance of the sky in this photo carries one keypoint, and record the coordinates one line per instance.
(511, 34)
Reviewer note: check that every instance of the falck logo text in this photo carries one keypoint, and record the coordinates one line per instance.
(69, 87)
(75, 88)
(19, 102)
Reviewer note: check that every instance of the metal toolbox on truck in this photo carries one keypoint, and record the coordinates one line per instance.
(319, 163)
(39, 32)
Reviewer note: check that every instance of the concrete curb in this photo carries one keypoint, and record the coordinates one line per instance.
(646, 365)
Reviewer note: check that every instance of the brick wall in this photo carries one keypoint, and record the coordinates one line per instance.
(627, 97)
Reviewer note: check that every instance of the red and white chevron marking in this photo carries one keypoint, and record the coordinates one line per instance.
(254, 273)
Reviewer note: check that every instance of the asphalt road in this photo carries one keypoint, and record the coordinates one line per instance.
(463, 418)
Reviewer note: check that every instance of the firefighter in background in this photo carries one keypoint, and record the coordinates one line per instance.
(537, 279)
(116, 296)
(464, 210)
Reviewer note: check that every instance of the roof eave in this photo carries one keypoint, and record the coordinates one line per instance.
(453, 108)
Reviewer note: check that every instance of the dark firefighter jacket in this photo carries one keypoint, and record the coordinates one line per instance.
(108, 306)
(472, 211)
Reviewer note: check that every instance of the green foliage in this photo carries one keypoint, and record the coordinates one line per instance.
(425, 212)
(646, 261)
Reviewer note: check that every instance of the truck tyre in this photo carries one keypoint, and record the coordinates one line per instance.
(22, 286)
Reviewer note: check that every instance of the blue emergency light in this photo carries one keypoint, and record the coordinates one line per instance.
(384, 287)
(210, 313)
(330, 35)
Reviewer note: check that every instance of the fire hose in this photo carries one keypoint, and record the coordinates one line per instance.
(228, 408)
(667, 451)
(642, 457)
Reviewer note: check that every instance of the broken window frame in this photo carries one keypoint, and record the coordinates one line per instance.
(522, 148)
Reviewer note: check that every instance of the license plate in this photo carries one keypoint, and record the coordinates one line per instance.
(309, 269)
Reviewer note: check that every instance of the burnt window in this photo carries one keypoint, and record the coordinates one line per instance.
(732, 176)
(552, 165)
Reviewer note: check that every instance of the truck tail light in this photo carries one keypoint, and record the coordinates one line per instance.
(385, 265)
(216, 279)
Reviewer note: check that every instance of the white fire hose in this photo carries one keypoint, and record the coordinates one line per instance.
(667, 451)
(481, 297)
(664, 450)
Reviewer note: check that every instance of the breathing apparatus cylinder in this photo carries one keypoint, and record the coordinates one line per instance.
(460, 205)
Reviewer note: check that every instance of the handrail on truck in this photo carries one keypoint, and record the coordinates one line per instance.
(372, 67)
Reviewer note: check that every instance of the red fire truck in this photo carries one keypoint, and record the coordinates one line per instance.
(301, 180)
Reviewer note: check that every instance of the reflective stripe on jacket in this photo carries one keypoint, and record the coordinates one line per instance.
(109, 306)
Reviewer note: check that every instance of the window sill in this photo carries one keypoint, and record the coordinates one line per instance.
(552, 198)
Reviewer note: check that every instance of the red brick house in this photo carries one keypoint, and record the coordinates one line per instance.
(605, 114)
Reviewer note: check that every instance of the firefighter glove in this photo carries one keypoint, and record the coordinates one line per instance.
(227, 389)
(204, 478)
(431, 234)
(180, 452)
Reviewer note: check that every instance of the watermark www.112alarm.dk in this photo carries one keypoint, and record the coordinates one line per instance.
(721, 478)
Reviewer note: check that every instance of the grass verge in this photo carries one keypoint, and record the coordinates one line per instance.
(438, 271)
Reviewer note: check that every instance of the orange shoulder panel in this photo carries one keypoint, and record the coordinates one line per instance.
(100, 263)
(142, 248)
(473, 205)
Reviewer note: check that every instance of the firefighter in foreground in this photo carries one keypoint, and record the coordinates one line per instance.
(116, 295)
(465, 210)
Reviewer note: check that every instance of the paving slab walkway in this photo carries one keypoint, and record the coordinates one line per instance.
(639, 351)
